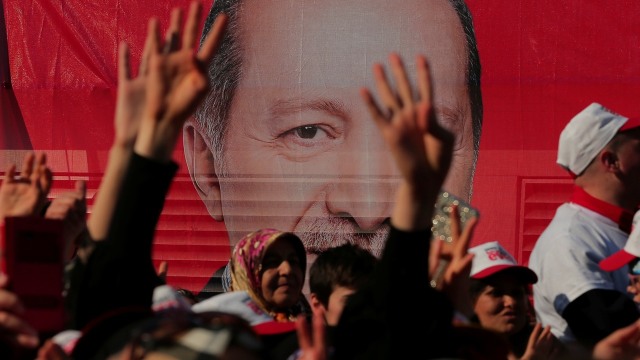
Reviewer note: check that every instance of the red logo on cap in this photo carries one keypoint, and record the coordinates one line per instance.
(496, 254)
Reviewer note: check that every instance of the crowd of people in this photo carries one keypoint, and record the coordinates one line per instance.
(418, 297)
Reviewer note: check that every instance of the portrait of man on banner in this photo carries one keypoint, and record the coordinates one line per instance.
(283, 139)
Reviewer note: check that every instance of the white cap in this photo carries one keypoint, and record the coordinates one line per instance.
(491, 258)
(587, 134)
(166, 297)
(67, 339)
(241, 304)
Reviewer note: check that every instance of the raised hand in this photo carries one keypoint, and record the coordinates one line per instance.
(422, 149)
(450, 263)
(177, 81)
(25, 195)
(541, 344)
(621, 344)
(161, 71)
(130, 104)
(421, 146)
(313, 345)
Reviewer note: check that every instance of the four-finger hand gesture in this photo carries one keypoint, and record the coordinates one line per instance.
(177, 81)
(130, 104)
(421, 147)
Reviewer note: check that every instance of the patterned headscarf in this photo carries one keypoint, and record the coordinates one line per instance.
(246, 263)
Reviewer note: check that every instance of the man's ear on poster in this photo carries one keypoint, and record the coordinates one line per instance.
(200, 162)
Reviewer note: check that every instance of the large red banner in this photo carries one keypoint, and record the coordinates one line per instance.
(542, 62)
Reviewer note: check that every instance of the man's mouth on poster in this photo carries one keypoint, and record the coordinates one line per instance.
(321, 233)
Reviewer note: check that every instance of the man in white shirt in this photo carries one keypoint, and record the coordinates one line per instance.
(575, 296)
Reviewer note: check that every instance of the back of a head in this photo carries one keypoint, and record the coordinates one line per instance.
(347, 265)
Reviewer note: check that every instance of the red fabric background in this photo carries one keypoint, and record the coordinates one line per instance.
(542, 62)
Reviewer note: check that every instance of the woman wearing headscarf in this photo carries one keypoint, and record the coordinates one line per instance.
(270, 266)
(264, 279)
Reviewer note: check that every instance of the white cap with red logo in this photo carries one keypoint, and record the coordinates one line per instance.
(490, 258)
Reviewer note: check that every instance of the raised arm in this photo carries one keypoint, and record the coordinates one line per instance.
(130, 105)
(422, 148)
(175, 83)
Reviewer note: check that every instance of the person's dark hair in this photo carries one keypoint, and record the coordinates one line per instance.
(476, 286)
(347, 265)
(226, 69)
(622, 137)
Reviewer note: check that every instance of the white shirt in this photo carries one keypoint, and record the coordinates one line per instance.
(566, 258)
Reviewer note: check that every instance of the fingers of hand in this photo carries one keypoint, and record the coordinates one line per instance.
(4, 280)
(172, 37)
(402, 81)
(424, 79)
(29, 340)
(22, 332)
(463, 265)
(152, 36)
(318, 332)
(124, 71)
(423, 110)
(387, 96)
(435, 252)
(373, 107)
(146, 54)
(190, 36)
(9, 302)
(27, 165)
(10, 174)
(302, 331)
(45, 181)
(462, 245)
(38, 172)
(214, 39)
(535, 334)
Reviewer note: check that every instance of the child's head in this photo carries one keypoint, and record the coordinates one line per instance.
(336, 274)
